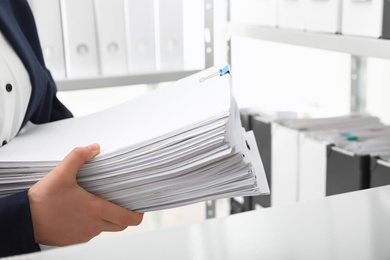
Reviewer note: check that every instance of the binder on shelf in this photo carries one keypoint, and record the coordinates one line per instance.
(243, 204)
(141, 35)
(47, 15)
(379, 172)
(254, 12)
(170, 35)
(111, 35)
(239, 204)
(323, 16)
(346, 171)
(291, 14)
(298, 165)
(372, 24)
(267, 114)
(246, 117)
(261, 127)
(386, 20)
(285, 136)
(81, 52)
(260, 122)
(294, 150)
(314, 147)
(284, 164)
(312, 167)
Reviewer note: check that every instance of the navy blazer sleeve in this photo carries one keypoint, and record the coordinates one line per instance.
(16, 231)
(18, 26)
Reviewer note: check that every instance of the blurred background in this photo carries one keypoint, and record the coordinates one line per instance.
(104, 52)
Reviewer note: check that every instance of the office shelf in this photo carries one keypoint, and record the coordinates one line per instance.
(358, 46)
(121, 80)
(147, 78)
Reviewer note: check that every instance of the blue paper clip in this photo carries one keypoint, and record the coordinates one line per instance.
(222, 71)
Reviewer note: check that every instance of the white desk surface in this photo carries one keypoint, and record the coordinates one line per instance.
(348, 226)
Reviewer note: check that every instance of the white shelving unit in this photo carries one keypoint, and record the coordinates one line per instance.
(148, 78)
(357, 46)
(121, 80)
(360, 48)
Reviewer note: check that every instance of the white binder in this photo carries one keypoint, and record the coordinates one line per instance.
(256, 12)
(81, 52)
(170, 38)
(284, 165)
(47, 14)
(312, 167)
(287, 161)
(362, 17)
(111, 32)
(140, 21)
(291, 14)
(323, 15)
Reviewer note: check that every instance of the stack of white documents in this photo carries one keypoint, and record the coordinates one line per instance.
(174, 146)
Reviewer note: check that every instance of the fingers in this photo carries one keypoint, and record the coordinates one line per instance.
(119, 215)
(75, 215)
(72, 163)
(110, 227)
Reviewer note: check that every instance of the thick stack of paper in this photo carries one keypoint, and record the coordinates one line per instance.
(174, 146)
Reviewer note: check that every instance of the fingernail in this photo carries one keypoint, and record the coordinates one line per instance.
(94, 147)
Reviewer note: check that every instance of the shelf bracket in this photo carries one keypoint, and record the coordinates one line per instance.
(209, 62)
(229, 41)
(358, 83)
(209, 32)
(210, 209)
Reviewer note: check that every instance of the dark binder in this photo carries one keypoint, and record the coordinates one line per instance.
(245, 117)
(262, 130)
(238, 207)
(346, 171)
(379, 172)
(235, 205)
(386, 20)
(251, 120)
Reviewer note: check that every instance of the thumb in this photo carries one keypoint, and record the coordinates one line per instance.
(73, 162)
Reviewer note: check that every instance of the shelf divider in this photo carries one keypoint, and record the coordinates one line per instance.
(358, 46)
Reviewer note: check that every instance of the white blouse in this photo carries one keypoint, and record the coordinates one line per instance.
(15, 92)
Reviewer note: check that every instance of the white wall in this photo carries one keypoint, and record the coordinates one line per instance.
(378, 88)
(269, 73)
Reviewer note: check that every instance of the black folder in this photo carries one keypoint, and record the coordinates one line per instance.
(251, 120)
(245, 117)
(238, 207)
(262, 130)
(386, 20)
(235, 205)
(346, 171)
(379, 172)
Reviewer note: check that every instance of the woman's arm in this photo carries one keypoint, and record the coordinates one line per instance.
(62, 213)
(16, 229)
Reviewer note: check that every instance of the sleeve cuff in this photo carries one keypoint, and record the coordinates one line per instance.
(16, 229)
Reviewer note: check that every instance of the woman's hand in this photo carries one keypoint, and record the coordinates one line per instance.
(63, 213)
